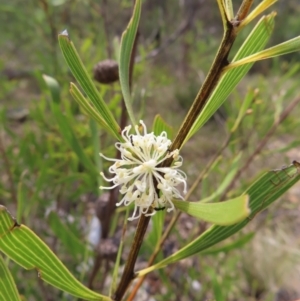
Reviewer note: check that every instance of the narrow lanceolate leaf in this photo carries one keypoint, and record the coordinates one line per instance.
(223, 13)
(262, 193)
(127, 42)
(8, 289)
(256, 41)
(25, 248)
(64, 126)
(159, 126)
(229, 9)
(289, 46)
(75, 64)
(91, 111)
(222, 213)
(260, 8)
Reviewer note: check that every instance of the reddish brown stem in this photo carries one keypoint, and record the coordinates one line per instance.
(128, 274)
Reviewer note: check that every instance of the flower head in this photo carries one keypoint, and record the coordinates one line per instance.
(140, 175)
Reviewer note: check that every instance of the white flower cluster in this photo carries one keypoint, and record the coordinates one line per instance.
(139, 173)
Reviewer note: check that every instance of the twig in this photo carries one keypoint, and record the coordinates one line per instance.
(198, 104)
(182, 28)
(207, 87)
(128, 274)
(262, 144)
(243, 10)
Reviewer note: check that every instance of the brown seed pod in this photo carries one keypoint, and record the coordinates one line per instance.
(106, 72)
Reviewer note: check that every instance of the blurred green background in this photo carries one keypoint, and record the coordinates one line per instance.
(40, 173)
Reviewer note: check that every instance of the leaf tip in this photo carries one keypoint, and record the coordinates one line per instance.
(297, 165)
(64, 33)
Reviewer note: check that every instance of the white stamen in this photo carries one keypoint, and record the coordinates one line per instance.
(141, 156)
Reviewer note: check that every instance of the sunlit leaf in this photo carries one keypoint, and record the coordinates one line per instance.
(21, 245)
(229, 9)
(289, 46)
(223, 12)
(256, 41)
(259, 9)
(268, 188)
(8, 288)
(222, 213)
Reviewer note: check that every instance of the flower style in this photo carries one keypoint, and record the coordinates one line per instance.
(140, 174)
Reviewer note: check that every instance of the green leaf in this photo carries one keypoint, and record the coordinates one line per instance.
(223, 13)
(222, 213)
(127, 42)
(65, 128)
(75, 64)
(8, 288)
(159, 125)
(289, 46)
(90, 110)
(256, 41)
(263, 192)
(25, 248)
(260, 8)
(229, 9)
